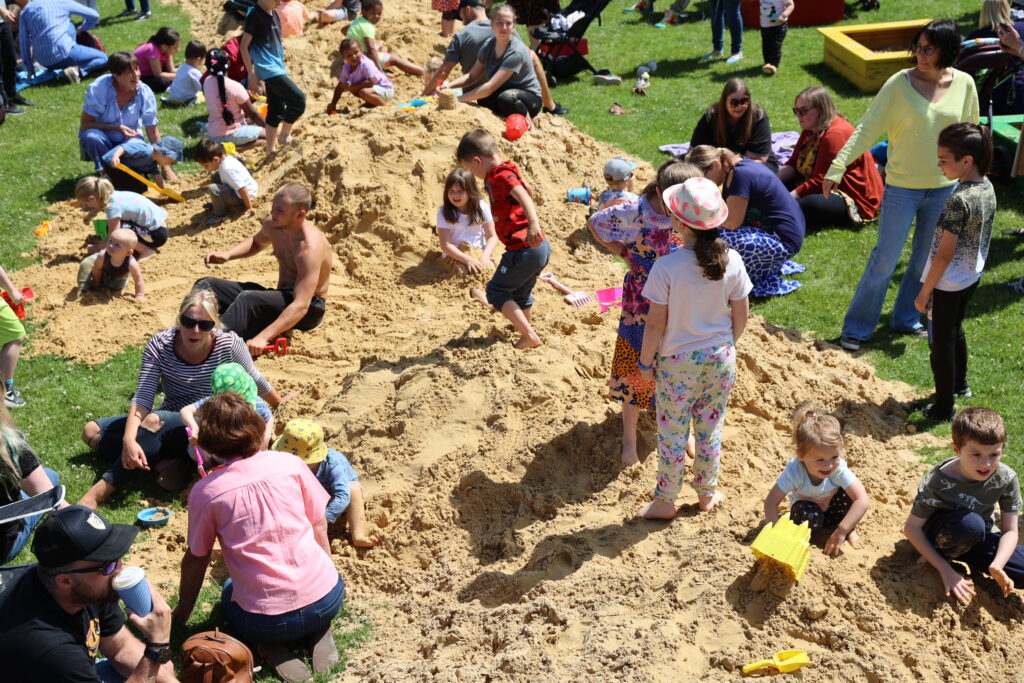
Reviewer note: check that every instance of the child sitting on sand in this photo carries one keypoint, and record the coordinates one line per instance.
(361, 77)
(698, 311)
(527, 251)
(294, 17)
(464, 223)
(124, 210)
(111, 266)
(618, 173)
(187, 85)
(364, 30)
(229, 377)
(305, 438)
(822, 490)
(953, 516)
(339, 10)
(232, 187)
(142, 157)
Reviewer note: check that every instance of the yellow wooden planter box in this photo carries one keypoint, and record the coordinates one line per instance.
(867, 54)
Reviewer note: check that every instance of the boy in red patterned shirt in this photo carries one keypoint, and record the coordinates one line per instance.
(515, 220)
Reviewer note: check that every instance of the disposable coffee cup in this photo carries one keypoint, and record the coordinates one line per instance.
(132, 587)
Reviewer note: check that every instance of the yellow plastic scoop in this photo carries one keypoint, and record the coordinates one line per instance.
(786, 543)
(150, 184)
(783, 662)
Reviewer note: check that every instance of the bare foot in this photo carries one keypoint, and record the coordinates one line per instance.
(853, 538)
(479, 295)
(628, 455)
(658, 509)
(707, 503)
(527, 343)
(365, 541)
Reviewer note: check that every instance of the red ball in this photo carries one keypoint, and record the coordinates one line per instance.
(515, 126)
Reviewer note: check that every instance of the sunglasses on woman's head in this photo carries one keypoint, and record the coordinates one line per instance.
(105, 569)
(738, 101)
(189, 323)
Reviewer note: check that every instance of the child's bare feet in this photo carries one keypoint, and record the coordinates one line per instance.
(853, 538)
(658, 509)
(526, 342)
(479, 295)
(707, 503)
(628, 455)
(364, 541)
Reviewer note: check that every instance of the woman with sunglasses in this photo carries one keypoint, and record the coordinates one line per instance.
(735, 122)
(823, 133)
(910, 110)
(179, 361)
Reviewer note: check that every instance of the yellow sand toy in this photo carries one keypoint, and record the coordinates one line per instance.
(782, 662)
(150, 184)
(786, 543)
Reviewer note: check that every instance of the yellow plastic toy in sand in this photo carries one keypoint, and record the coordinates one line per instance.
(786, 543)
(783, 662)
(150, 184)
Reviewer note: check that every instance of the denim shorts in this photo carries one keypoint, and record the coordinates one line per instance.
(242, 136)
(517, 274)
(264, 629)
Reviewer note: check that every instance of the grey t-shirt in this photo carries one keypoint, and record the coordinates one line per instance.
(516, 59)
(938, 492)
(465, 45)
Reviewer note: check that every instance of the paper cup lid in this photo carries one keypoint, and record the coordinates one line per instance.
(128, 577)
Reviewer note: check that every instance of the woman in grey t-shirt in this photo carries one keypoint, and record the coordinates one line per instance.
(510, 85)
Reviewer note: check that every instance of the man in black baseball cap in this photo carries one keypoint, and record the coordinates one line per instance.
(56, 616)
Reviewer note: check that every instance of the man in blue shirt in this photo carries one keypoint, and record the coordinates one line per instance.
(46, 35)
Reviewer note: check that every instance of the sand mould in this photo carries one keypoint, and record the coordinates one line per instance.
(509, 548)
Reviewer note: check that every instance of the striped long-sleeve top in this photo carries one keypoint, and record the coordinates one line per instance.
(184, 383)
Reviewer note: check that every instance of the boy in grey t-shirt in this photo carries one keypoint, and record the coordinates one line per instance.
(953, 516)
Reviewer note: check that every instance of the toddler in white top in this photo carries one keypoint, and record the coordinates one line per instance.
(233, 186)
(465, 225)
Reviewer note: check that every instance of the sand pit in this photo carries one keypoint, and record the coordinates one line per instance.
(510, 551)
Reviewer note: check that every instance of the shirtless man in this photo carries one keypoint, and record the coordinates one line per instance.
(259, 314)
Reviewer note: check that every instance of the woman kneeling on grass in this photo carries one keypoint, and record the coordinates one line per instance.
(267, 510)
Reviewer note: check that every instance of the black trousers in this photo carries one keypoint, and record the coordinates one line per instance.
(246, 308)
(823, 212)
(285, 102)
(808, 511)
(949, 345)
(512, 101)
(8, 61)
(771, 43)
(157, 83)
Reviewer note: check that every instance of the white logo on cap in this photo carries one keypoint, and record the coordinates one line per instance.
(95, 521)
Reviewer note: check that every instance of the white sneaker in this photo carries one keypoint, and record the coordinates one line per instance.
(73, 74)
(13, 399)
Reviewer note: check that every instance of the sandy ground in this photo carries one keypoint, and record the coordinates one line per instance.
(510, 551)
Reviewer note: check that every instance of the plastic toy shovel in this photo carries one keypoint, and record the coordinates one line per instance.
(150, 184)
(280, 347)
(783, 662)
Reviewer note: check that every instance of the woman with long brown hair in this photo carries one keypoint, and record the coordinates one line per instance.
(735, 122)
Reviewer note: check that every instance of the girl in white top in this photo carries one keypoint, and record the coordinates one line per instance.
(464, 223)
(822, 490)
(699, 308)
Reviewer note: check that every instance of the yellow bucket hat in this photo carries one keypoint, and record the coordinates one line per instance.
(304, 438)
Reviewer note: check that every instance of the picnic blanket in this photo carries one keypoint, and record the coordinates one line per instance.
(782, 145)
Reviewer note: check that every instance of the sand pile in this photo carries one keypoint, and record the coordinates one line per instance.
(509, 548)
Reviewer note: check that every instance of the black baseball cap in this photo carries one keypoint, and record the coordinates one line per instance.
(79, 533)
(470, 3)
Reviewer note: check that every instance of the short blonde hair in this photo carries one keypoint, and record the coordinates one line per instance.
(130, 239)
(205, 299)
(94, 186)
(814, 428)
(702, 156)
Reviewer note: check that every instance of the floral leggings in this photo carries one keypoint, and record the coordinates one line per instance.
(693, 384)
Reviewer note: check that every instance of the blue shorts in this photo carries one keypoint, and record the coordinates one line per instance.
(517, 274)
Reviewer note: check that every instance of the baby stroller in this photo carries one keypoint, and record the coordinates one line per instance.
(47, 501)
(562, 45)
(995, 72)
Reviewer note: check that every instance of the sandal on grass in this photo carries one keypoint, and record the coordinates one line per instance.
(617, 110)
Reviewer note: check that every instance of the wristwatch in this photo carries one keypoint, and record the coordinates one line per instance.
(158, 652)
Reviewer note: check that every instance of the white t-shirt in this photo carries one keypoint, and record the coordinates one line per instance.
(770, 11)
(795, 481)
(234, 174)
(186, 84)
(698, 308)
(462, 232)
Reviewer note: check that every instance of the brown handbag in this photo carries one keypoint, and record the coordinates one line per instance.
(215, 657)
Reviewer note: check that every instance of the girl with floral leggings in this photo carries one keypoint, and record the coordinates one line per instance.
(698, 309)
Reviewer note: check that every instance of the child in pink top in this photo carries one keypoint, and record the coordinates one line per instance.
(361, 77)
(227, 102)
(156, 59)
(294, 16)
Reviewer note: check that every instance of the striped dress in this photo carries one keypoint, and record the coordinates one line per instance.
(184, 383)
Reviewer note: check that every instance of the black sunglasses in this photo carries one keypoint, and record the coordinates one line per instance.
(738, 101)
(188, 323)
(105, 569)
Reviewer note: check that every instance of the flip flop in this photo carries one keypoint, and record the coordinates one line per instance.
(617, 110)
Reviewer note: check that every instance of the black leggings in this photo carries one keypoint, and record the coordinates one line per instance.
(450, 15)
(513, 101)
(152, 238)
(771, 43)
(809, 511)
(8, 60)
(285, 102)
(156, 83)
(823, 212)
(949, 345)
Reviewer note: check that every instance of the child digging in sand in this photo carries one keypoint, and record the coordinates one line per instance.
(111, 266)
(124, 209)
(527, 251)
(464, 223)
(953, 517)
(236, 379)
(822, 490)
(305, 438)
(361, 77)
(233, 187)
(698, 311)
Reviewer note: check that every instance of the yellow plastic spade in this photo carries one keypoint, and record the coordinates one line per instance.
(783, 662)
(786, 543)
(150, 184)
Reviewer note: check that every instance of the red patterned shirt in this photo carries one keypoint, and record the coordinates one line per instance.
(510, 220)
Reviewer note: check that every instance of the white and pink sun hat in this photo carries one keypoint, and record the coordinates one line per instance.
(697, 203)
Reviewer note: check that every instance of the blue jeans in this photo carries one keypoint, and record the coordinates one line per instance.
(166, 443)
(900, 207)
(95, 143)
(87, 59)
(29, 523)
(722, 12)
(516, 275)
(965, 536)
(267, 629)
(107, 673)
